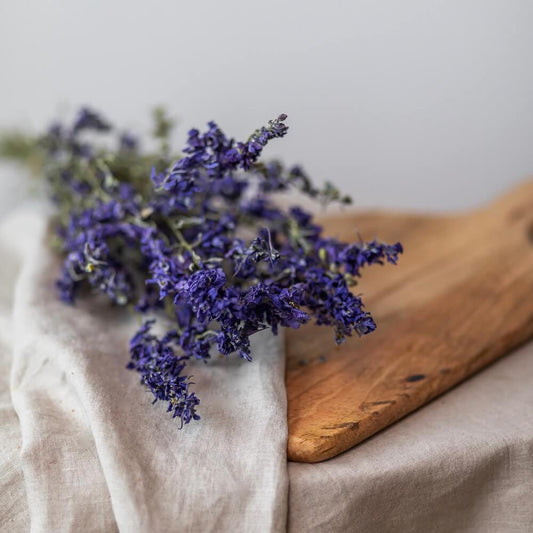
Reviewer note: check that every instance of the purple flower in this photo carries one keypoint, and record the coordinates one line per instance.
(355, 256)
(89, 120)
(161, 371)
(128, 141)
(205, 292)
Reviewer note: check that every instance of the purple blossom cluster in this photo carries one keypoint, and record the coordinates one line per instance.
(206, 244)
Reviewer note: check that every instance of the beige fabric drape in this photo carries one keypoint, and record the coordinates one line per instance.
(83, 449)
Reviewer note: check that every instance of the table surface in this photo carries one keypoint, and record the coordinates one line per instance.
(83, 448)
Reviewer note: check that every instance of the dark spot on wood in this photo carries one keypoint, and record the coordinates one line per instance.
(530, 233)
(349, 425)
(415, 377)
(445, 370)
(518, 213)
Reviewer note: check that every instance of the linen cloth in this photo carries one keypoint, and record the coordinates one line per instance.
(96, 454)
(83, 449)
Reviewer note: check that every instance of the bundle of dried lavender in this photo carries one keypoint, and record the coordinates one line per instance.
(165, 234)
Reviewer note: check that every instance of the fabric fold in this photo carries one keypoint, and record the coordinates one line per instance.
(64, 484)
(14, 515)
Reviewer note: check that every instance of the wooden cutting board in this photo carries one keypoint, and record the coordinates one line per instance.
(460, 297)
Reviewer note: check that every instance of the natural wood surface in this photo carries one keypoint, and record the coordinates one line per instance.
(460, 297)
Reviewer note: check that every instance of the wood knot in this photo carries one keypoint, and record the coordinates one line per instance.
(415, 377)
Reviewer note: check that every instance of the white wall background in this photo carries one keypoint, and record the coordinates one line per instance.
(417, 103)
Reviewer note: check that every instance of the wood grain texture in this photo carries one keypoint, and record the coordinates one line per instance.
(460, 297)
